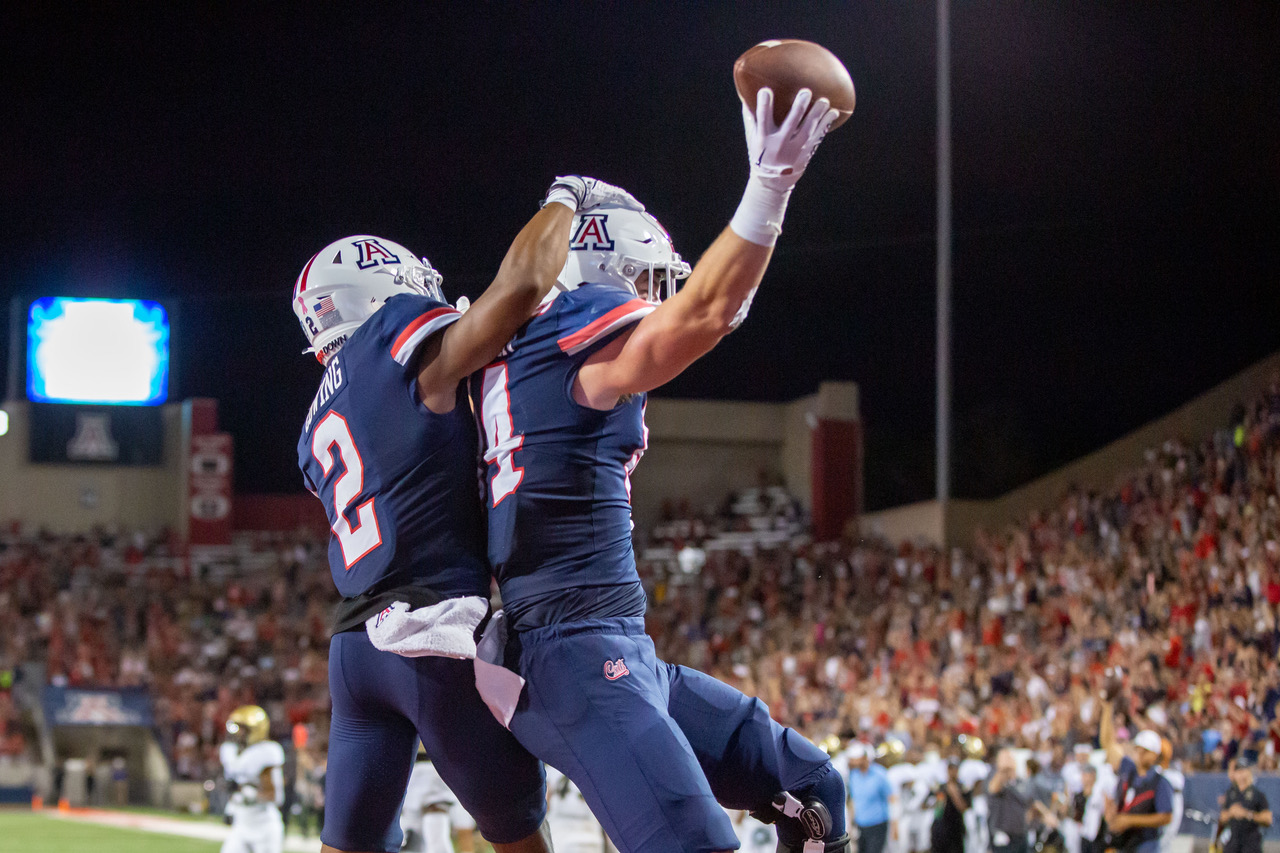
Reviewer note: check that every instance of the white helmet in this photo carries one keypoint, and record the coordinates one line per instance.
(613, 245)
(347, 281)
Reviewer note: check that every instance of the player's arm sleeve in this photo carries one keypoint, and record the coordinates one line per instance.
(275, 756)
(592, 318)
(526, 276)
(591, 325)
(411, 323)
(1164, 797)
(227, 754)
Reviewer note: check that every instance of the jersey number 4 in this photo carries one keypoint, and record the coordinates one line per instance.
(359, 539)
(499, 433)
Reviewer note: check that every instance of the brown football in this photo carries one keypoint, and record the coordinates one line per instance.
(789, 65)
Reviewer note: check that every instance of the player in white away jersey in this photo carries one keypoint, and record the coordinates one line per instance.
(431, 813)
(573, 827)
(931, 774)
(253, 767)
(756, 837)
(973, 777)
(902, 778)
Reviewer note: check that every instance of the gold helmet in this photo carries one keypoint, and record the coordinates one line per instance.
(891, 751)
(830, 744)
(250, 719)
(972, 746)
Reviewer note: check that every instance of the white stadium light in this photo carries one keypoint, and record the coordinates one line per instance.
(106, 351)
(4, 422)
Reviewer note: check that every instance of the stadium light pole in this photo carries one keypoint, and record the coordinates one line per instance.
(943, 482)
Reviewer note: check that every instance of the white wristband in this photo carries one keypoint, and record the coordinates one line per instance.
(562, 195)
(759, 216)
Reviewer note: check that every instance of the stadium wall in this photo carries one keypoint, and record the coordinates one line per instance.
(702, 450)
(75, 498)
(1194, 421)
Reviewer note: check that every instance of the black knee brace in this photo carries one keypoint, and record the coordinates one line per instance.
(813, 819)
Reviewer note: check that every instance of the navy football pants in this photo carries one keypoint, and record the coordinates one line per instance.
(655, 748)
(382, 704)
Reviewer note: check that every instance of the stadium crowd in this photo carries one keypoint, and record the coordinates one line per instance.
(1172, 576)
(112, 610)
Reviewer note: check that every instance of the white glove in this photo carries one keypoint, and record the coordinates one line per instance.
(248, 794)
(579, 193)
(779, 154)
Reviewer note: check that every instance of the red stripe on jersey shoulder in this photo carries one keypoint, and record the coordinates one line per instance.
(416, 324)
(606, 323)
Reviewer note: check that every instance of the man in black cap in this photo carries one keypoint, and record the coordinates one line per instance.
(1245, 812)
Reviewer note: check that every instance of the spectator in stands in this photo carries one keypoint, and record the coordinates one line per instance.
(1170, 577)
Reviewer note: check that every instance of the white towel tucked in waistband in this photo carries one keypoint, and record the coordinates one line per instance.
(499, 687)
(446, 629)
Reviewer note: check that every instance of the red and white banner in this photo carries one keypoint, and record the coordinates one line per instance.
(209, 462)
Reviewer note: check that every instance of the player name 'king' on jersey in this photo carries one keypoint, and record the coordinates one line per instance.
(558, 490)
(398, 481)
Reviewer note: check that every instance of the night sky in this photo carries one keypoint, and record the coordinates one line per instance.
(1116, 182)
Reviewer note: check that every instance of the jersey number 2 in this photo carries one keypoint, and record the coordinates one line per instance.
(358, 540)
(499, 433)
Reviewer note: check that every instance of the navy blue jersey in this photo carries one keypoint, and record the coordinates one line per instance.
(398, 481)
(557, 489)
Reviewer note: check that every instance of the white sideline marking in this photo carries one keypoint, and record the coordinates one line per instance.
(171, 826)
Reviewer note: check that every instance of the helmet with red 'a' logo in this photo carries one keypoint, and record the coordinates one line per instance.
(346, 282)
(611, 245)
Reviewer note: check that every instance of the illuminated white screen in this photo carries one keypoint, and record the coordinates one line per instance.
(113, 351)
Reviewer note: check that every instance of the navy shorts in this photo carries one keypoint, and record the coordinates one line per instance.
(747, 756)
(595, 707)
(382, 704)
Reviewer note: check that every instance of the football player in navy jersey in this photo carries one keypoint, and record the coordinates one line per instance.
(389, 445)
(651, 746)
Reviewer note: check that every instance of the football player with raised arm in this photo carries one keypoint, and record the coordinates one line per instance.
(651, 746)
(389, 445)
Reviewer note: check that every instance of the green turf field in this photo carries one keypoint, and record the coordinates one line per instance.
(34, 833)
